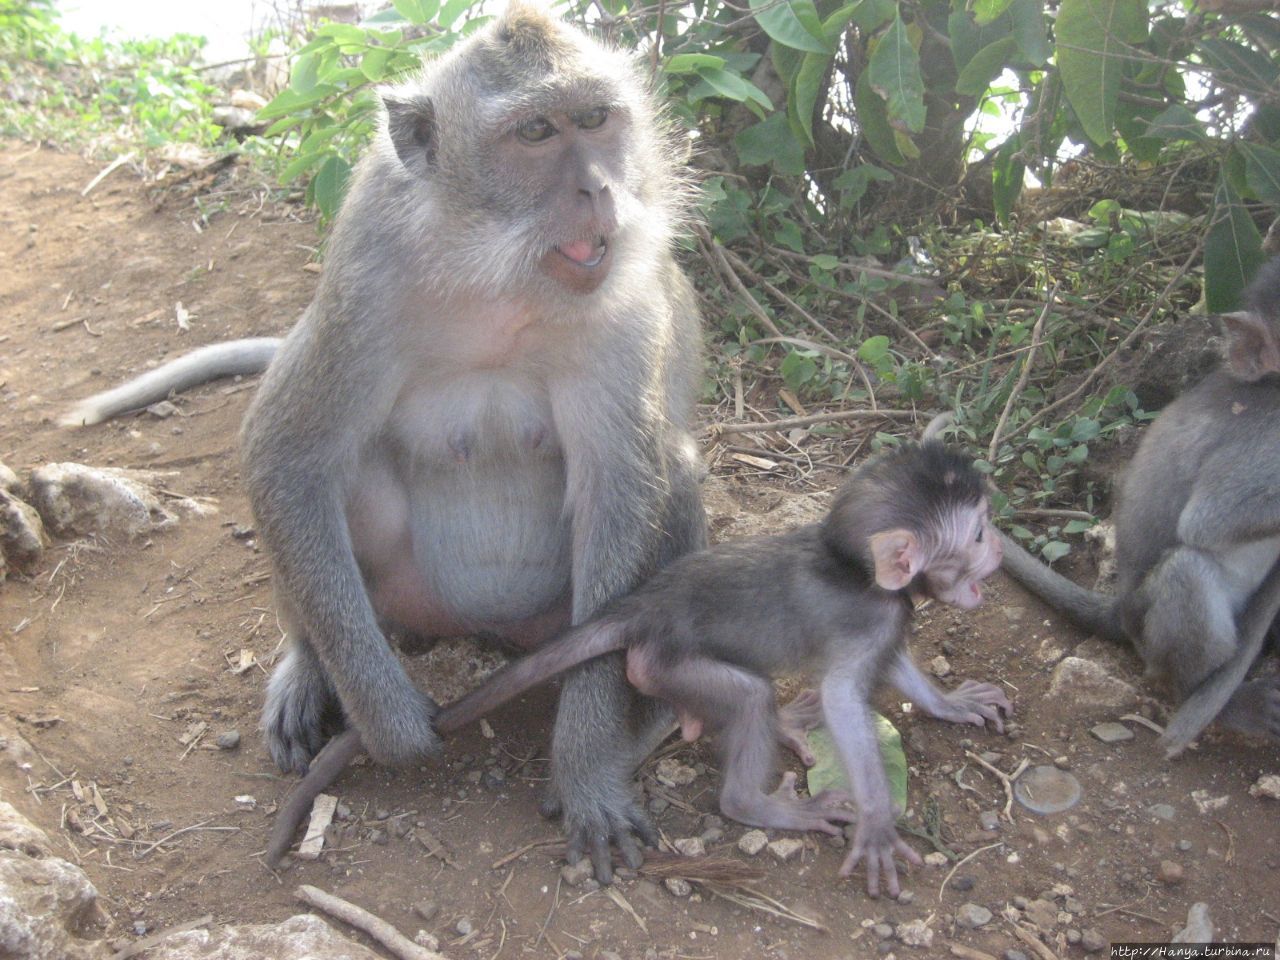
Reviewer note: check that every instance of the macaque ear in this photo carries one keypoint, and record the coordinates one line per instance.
(1252, 350)
(897, 556)
(411, 122)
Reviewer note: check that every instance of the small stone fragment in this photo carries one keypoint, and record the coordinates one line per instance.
(906, 897)
(1012, 954)
(752, 842)
(915, 933)
(246, 801)
(672, 773)
(1073, 936)
(1199, 928)
(940, 666)
(1111, 732)
(424, 939)
(989, 820)
(464, 927)
(963, 884)
(936, 859)
(228, 740)
(1092, 940)
(1162, 811)
(1042, 914)
(1267, 785)
(22, 536)
(1184, 846)
(1086, 685)
(690, 847)
(678, 886)
(971, 916)
(786, 848)
(883, 931)
(573, 874)
(1045, 789)
(427, 910)
(1207, 804)
(1170, 872)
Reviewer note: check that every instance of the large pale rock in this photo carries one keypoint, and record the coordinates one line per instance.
(48, 907)
(22, 536)
(80, 501)
(301, 937)
(1087, 685)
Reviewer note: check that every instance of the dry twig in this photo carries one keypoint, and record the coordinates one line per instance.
(362, 919)
(1005, 778)
(1036, 333)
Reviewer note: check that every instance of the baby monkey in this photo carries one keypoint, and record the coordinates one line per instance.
(708, 633)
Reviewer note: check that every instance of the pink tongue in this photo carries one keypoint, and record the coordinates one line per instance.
(580, 251)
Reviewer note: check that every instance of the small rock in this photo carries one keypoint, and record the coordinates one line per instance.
(1170, 872)
(1185, 845)
(883, 931)
(22, 536)
(1267, 785)
(1072, 905)
(1073, 936)
(672, 773)
(752, 842)
(1044, 789)
(971, 916)
(690, 847)
(378, 836)
(1199, 928)
(9, 481)
(229, 740)
(786, 848)
(1021, 902)
(1042, 914)
(427, 910)
(658, 806)
(610, 955)
(936, 859)
(342, 812)
(79, 501)
(678, 886)
(963, 884)
(494, 778)
(915, 933)
(573, 874)
(1162, 811)
(989, 820)
(464, 927)
(1012, 954)
(712, 835)
(1111, 732)
(1092, 940)
(241, 532)
(1207, 804)
(1086, 685)
(162, 409)
(1063, 762)
(246, 802)
(424, 939)
(139, 928)
(907, 897)
(940, 666)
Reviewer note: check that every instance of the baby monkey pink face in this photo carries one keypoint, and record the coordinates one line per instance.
(968, 552)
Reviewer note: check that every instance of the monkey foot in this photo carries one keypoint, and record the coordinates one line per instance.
(784, 809)
(796, 719)
(1254, 708)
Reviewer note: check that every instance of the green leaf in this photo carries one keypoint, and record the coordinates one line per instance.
(452, 10)
(1093, 37)
(1235, 65)
(873, 121)
(374, 64)
(797, 369)
(1077, 526)
(874, 350)
(330, 184)
(1027, 17)
(1176, 123)
(874, 14)
(824, 261)
(300, 164)
(792, 23)
(1232, 250)
(724, 83)
(828, 772)
(1054, 550)
(987, 64)
(343, 33)
(985, 11)
(1262, 170)
(894, 71)
(690, 62)
(853, 183)
(416, 11)
(390, 15)
(770, 143)
(806, 90)
(967, 37)
(302, 78)
(1008, 172)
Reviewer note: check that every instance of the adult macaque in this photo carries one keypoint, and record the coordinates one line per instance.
(480, 424)
(706, 633)
(1198, 537)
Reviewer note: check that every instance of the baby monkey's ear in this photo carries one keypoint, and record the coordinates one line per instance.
(898, 558)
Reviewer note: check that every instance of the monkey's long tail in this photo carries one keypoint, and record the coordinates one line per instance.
(569, 649)
(199, 366)
(1093, 611)
(1208, 699)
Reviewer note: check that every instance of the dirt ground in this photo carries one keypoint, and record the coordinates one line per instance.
(110, 652)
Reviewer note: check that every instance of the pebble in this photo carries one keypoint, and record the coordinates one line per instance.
(342, 812)
(1073, 936)
(424, 939)
(883, 931)
(1207, 804)
(1072, 905)
(786, 848)
(658, 805)
(378, 836)
(1162, 811)
(1185, 845)
(935, 859)
(907, 896)
(1111, 732)
(989, 820)
(1170, 872)
(752, 842)
(229, 740)
(678, 886)
(574, 874)
(972, 916)
(610, 955)
(1044, 789)
(1021, 902)
(1012, 954)
(1092, 940)
(672, 773)
(381, 813)
(712, 835)
(427, 910)
(1199, 928)
(915, 933)
(495, 778)
(940, 666)
(690, 847)
(1267, 785)
(464, 927)
(1042, 914)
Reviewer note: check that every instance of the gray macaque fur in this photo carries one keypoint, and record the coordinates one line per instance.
(481, 422)
(1198, 537)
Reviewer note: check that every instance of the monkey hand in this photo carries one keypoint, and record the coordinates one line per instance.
(609, 815)
(876, 841)
(796, 719)
(975, 703)
(400, 730)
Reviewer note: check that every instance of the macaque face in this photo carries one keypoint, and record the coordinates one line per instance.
(968, 551)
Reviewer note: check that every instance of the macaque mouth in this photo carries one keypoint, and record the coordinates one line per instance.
(585, 253)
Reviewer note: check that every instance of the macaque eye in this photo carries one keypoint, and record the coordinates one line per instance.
(591, 119)
(537, 130)
(981, 530)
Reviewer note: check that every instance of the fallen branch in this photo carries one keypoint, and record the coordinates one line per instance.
(362, 919)
(147, 942)
(791, 422)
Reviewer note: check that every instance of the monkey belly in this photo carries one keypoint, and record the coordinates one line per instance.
(467, 548)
